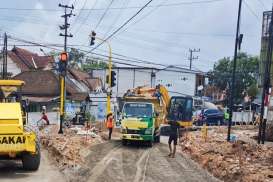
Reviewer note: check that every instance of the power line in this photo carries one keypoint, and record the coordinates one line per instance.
(125, 3)
(86, 18)
(144, 16)
(251, 10)
(262, 3)
(103, 15)
(80, 11)
(118, 8)
(52, 46)
(124, 24)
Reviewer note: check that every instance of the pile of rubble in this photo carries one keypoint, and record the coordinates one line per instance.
(241, 160)
(69, 149)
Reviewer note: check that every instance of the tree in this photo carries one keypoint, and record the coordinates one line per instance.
(76, 57)
(252, 91)
(95, 63)
(246, 74)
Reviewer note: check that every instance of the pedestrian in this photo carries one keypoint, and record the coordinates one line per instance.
(174, 134)
(109, 124)
(44, 116)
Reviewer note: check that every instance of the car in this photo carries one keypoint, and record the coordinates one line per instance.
(211, 117)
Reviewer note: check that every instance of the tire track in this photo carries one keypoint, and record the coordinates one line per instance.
(103, 164)
(140, 173)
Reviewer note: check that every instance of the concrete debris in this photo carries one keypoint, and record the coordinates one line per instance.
(243, 160)
(85, 131)
(69, 149)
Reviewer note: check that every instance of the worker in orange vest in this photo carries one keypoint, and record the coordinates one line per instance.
(109, 124)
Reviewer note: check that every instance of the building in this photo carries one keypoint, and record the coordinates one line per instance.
(42, 89)
(177, 80)
(20, 60)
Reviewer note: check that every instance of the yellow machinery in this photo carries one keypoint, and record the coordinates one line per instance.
(16, 140)
(177, 108)
(146, 110)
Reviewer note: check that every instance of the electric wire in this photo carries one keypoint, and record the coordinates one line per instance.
(123, 25)
(251, 10)
(80, 11)
(125, 3)
(86, 18)
(118, 8)
(103, 15)
(143, 17)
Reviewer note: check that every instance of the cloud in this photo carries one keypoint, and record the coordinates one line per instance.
(212, 27)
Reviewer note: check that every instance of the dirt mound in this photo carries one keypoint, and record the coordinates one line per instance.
(69, 150)
(242, 160)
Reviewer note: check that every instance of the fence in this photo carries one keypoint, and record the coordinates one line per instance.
(242, 117)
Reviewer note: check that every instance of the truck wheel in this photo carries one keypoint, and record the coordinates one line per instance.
(124, 142)
(150, 143)
(157, 139)
(31, 162)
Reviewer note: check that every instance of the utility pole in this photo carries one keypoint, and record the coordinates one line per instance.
(63, 62)
(5, 57)
(237, 42)
(266, 85)
(191, 58)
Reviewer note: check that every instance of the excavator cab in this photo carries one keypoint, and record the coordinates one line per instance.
(180, 109)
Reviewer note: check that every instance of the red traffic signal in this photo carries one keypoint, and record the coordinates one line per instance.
(64, 57)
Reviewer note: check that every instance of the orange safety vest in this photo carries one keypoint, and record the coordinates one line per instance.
(109, 123)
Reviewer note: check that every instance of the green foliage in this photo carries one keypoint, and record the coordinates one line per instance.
(75, 56)
(78, 58)
(253, 91)
(94, 63)
(246, 74)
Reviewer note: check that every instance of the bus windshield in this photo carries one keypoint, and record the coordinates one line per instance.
(138, 110)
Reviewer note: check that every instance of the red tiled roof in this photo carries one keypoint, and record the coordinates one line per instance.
(91, 83)
(27, 60)
(43, 84)
(78, 74)
(39, 83)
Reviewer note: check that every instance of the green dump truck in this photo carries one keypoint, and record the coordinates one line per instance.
(141, 119)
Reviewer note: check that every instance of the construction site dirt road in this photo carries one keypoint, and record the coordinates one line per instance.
(111, 161)
(11, 171)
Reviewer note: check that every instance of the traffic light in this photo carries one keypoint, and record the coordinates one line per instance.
(62, 63)
(113, 78)
(63, 57)
(93, 37)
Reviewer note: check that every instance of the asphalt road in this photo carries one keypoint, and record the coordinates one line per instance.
(11, 171)
(113, 162)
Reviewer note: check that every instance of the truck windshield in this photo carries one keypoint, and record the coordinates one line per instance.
(138, 110)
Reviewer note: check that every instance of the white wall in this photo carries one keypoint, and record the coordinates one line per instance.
(12, 67)
(177, 82)
(128, 78)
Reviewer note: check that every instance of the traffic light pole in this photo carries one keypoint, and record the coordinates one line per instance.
(110, 81)
(109, 91)
(63, 74)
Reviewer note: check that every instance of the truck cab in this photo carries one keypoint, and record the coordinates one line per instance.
(138, 122)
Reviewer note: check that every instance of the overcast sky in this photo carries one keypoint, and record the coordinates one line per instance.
(158, 34)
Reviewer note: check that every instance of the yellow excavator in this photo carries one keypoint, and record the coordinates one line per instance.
(17, 140)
